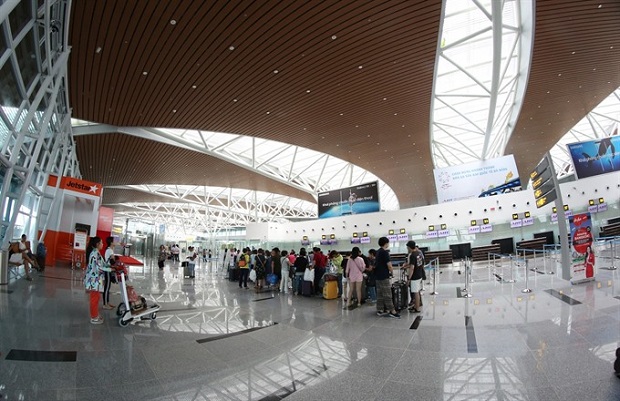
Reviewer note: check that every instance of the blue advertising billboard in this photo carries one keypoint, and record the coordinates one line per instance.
(596, 156)
(357, 199)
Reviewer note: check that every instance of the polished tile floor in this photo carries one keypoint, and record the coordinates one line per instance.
(214, 341)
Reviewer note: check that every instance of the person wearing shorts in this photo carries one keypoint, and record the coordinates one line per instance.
(415, 273)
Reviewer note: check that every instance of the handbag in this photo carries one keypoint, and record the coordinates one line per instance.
(252, 275)
(309, 275)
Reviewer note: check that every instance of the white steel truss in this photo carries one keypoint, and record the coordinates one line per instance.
(210, 209)
(601, 122)
(35, 123)
(481, 71)
(304, 169)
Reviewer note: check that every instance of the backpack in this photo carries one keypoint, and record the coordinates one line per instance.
(41, 250)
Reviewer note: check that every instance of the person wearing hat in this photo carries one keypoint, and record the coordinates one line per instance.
(415, 273)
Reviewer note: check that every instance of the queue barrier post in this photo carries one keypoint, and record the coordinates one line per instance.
(436, 263)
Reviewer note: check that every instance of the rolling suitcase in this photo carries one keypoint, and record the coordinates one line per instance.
(330, 290)
(306, 288)
(400, 293)
(233, 274)
(188, 269)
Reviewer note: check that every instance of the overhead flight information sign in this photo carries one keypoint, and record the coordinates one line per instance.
(543, 183)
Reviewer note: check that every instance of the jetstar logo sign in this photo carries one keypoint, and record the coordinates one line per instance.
(86, 187)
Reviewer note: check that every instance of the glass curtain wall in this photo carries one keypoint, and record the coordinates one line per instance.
(35, 120)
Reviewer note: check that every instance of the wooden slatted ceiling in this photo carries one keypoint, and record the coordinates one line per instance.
(344, 114)
(119, 159)
(563, 87)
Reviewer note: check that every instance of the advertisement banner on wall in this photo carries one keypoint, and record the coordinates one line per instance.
(478, 179)
(582, 256)
(597, 156)
(357, 199)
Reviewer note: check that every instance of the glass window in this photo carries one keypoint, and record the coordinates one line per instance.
(9, 95)
(27, 59)
(19, 17)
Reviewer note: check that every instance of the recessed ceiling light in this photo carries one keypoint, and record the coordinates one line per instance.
(307, 90)
(548, 91)
(600, 6)
(275, 71)
(559, 75)
(334, 37)
(234, 100)
(268, 112)
(144, 73)
(173, 22)
(193, 86)
(360, 67)
(174, 111)
(231, 48)
(395, 114)
(573, 53)
(98, 50)
(385, 98)
(342, 114)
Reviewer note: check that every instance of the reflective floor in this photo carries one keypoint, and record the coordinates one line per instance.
(212, 340)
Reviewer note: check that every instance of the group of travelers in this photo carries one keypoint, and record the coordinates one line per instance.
(286, 271)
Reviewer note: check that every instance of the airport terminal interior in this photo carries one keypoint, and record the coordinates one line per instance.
(484, 131)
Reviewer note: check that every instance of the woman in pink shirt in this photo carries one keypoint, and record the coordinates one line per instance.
(355, 273)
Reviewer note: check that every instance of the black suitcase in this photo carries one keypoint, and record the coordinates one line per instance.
(233, 274)
(400, 293)
(306, 288)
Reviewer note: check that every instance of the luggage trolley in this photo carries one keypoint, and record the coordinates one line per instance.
(127, 313)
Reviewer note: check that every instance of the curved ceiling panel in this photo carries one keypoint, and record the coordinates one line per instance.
(348, 78)
(119, 159)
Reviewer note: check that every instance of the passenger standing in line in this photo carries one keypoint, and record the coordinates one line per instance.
(260, 265)
(93, 277)
(371, 283)
(301, 263)
(253, 259)
(415, 273)
(320, 261)
(336, 259)
(355, 273)
(276, 265)
(286, 267)
(383, 269)
(109, 259)
(243, 262)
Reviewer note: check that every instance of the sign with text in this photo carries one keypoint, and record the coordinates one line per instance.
(486, 228)
(477, 179)
(473, 229)
(443, 233)
(596, 156)
(543, 183)
(582, 257)
(403, 237)
(357, 199)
